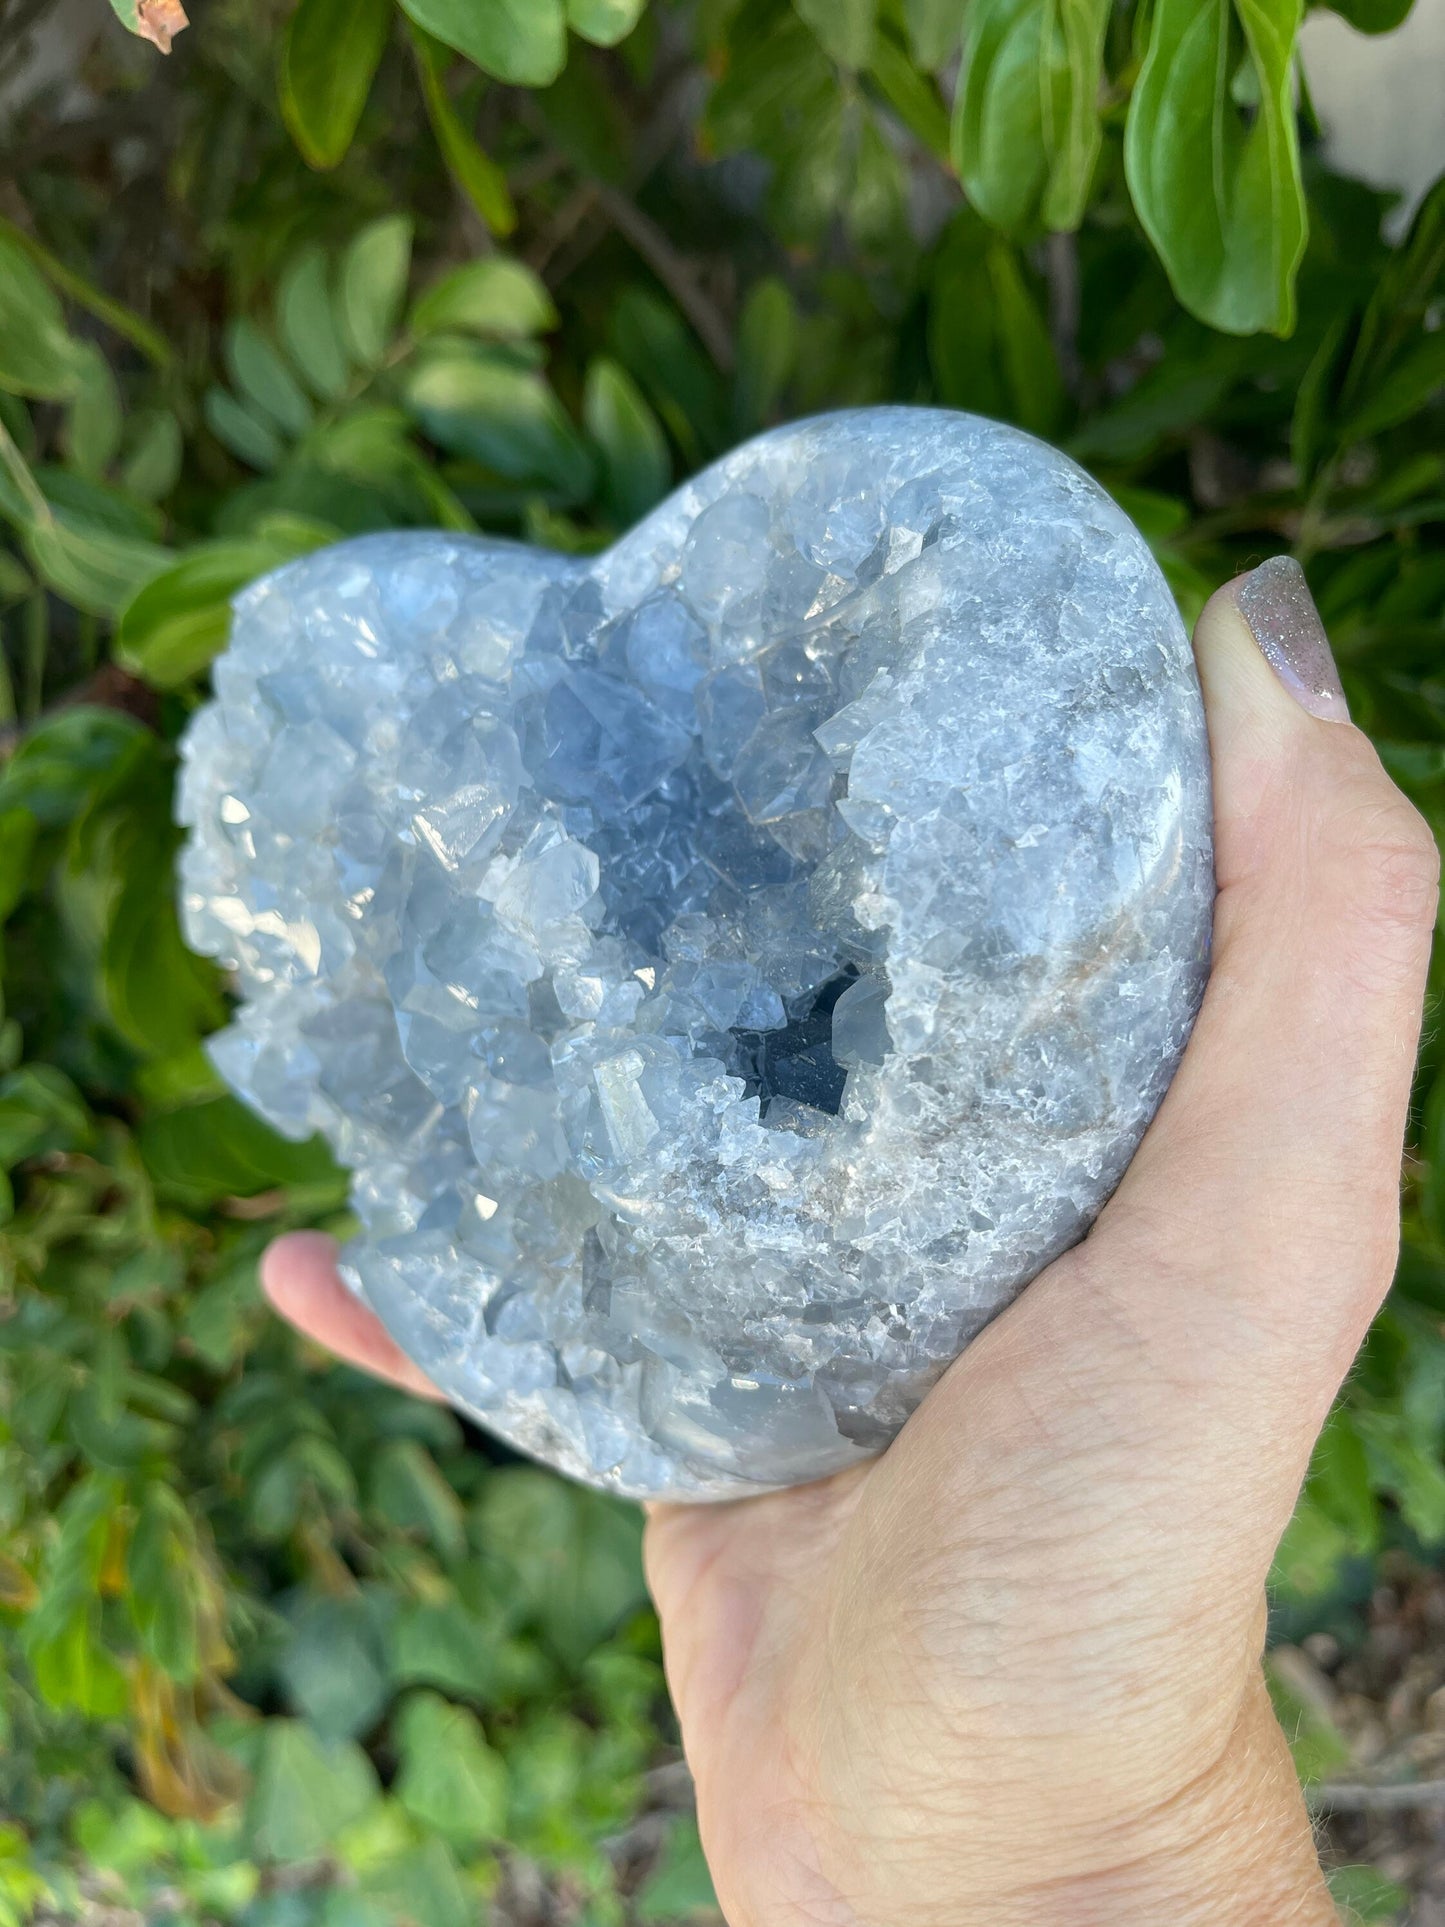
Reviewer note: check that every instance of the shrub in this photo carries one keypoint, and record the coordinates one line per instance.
(279, 1645)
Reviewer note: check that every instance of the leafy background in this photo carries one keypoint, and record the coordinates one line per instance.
(278, 1646)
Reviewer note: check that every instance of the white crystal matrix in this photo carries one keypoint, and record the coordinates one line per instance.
(731, 966)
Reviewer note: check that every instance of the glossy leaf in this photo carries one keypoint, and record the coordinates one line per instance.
(845, 28)
(307, 323)
(179, 620)
(451, 1781)
(495, 297)
(219, 1149)
(249, 436)
(1026, 119)
(604, 22)
(933, 28)
(304, 1793)
(92, 567)
(573, 1555)
(521, 41)
(328, 60)
(94, 420)
(372, 286)
(636, 469)
(264, 381)
(1219, 193)
(38, 357)
(475, 402)
(475, 172)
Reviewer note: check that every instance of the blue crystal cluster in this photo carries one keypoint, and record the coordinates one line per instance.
(731, 966)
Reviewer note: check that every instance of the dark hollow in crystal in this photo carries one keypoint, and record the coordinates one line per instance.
(796, 1062)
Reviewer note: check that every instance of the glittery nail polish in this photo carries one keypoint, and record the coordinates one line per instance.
(1275, 601)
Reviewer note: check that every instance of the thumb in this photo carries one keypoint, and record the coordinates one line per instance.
(1256, 1230)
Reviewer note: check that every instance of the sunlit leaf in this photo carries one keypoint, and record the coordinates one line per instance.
(328, 61)
(1219, 190)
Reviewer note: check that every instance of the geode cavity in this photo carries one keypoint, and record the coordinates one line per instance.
(731, 966)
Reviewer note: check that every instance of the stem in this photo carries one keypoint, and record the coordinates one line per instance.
(116, 316)
(18, 469)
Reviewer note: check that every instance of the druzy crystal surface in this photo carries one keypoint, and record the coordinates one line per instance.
(733, 965)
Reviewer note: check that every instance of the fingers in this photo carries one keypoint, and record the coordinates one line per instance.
(1256, 1230)
(299, 1276)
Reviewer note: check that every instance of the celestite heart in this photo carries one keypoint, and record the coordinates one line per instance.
(732, 966)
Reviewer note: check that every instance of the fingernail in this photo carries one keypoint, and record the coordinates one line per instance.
(1275, 601)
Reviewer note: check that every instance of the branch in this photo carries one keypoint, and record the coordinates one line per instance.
(675, 273)
(1401, 1796)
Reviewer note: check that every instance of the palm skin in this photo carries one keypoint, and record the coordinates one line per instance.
(1009, 1674)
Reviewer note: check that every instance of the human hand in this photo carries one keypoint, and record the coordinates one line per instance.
(1009, 1674)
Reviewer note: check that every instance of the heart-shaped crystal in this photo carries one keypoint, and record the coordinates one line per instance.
(731, 966)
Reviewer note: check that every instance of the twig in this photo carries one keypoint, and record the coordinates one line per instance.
(1350, 1796)
(116, 316)
(1061, 262)
(563, 225)
(675, 273)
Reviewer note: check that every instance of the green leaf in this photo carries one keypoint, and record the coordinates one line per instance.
(604, 22)
(680, 1885)
(1366, 1898)
(161, 1567)
(913, 96)
(328, 60)
(444, 1645)
(38, 355)
(636, 467)
(153, 456)
(521, 41)
(409, 1492)
(1220, 196)
(1026, 116)
(476, 402)
(1415, 383)
(987, 338)
(94, 421)
(17, 840)
(473, 170)
(90, 566)
(1316, 1742)
(662, 355)
(933, 28)
(333, 1666)
(372, 286)
(221, 1149)
(171, 630)
(574, 1555)
(768, 341)
(451, 1781)
(421, 1889)
(495, 297)
(40, 1111)
(305, 1793)
(160, 997)
(263, 379)
(307, 323)
(1373, 16)
(844, 28)
(250, 437)
(65, 759)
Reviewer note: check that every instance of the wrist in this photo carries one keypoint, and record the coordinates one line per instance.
(1234, 1848)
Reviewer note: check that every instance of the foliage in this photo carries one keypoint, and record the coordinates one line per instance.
(280, 1646)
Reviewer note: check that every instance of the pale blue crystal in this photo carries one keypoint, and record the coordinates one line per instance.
(733, 966)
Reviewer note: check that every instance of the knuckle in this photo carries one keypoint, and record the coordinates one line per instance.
(1383, 854)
